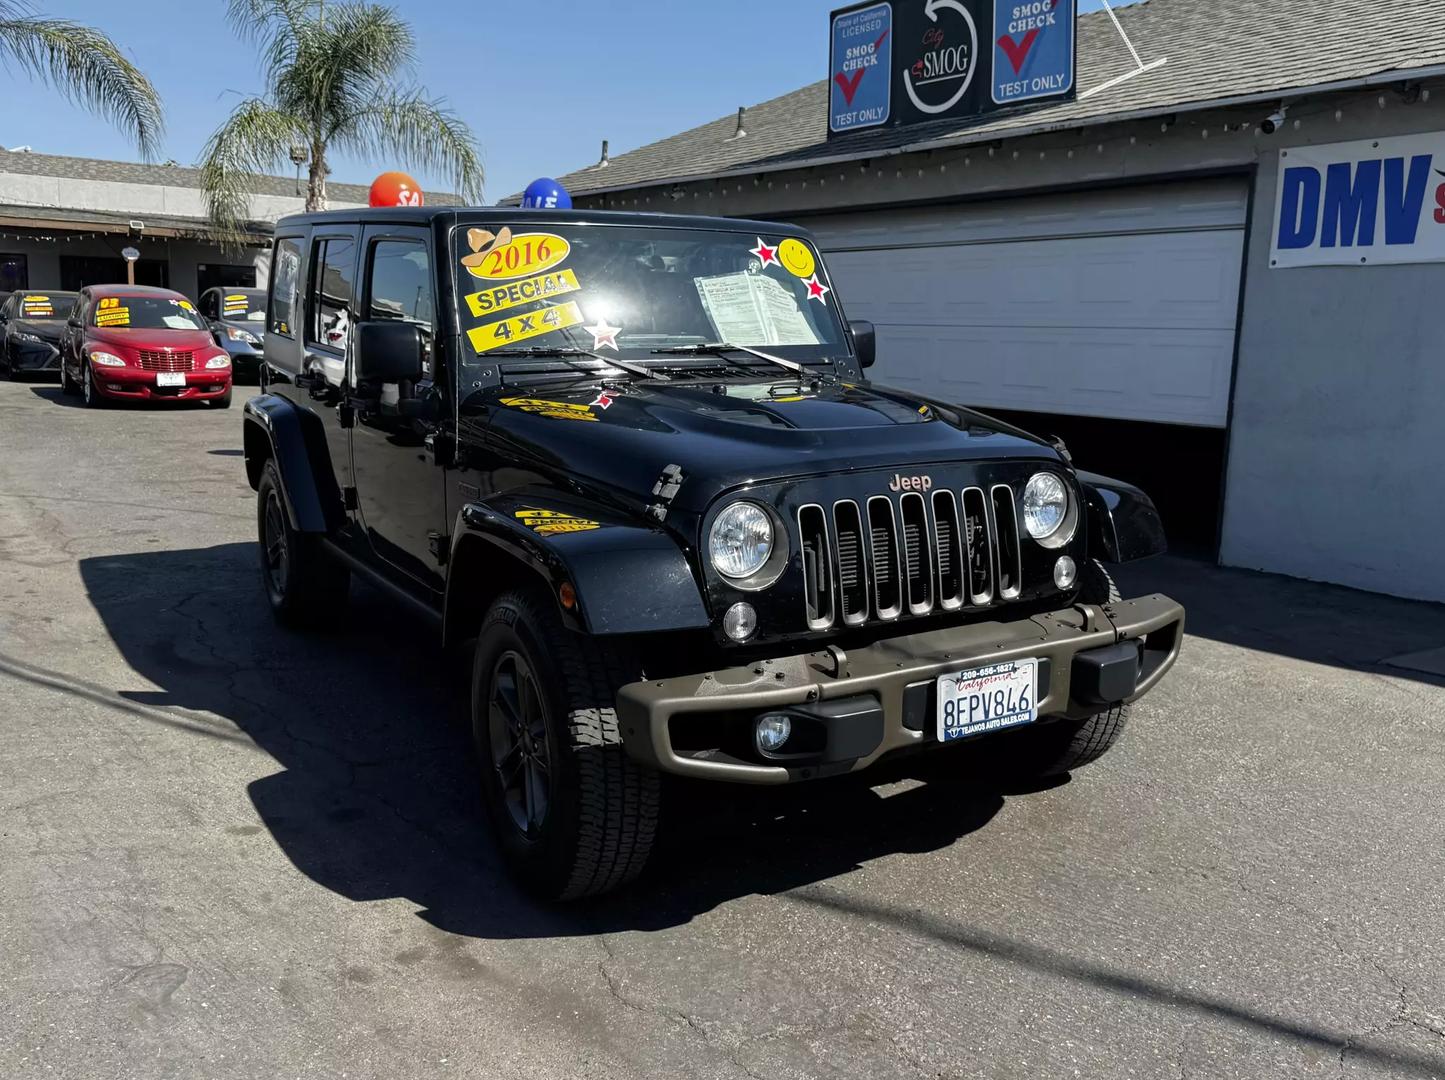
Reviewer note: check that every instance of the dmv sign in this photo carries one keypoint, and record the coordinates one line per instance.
(1361, 203)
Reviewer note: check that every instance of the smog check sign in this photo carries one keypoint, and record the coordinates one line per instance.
(1361, 203)
(860, 68)
(1033, 50)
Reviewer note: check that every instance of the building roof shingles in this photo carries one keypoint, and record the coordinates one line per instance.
(1215, 50)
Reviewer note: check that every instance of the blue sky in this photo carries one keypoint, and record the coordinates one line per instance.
(542, 84)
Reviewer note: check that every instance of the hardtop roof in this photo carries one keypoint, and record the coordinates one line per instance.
(426, 216)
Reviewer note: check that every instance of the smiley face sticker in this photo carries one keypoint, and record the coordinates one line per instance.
(796, 258)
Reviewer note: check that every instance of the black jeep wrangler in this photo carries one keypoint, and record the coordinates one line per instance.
(634, 463)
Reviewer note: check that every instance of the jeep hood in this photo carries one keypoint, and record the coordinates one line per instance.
(728, 434)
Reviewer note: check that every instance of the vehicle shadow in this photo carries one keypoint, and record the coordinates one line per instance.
(376, 792)
(52, 393)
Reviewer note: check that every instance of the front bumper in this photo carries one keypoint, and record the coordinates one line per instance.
(34, 356)
(133, 384)
(665, 722)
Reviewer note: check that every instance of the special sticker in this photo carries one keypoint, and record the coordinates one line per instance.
(521, 327)
(796, 258)
(552, 522)
(517, 256)
(541, 287)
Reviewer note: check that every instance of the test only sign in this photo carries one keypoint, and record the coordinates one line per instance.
(912, 61)
(1361, 203)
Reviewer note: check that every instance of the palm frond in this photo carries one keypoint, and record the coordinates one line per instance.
(423, 133)
(255, 139)
(273, 25)
(89, 69)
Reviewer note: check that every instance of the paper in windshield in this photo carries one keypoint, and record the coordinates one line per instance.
(752, 309)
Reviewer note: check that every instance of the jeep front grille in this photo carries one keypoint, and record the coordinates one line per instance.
(915, 554)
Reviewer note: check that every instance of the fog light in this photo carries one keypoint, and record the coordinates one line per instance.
(773, 731)
(740, 621)
(1065, 572)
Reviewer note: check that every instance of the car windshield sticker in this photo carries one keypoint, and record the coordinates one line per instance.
(521, 327)
(37, 305)
(767, 256)
(817, 290)
(750, 308)
(234, 305)
(796, 258)
(551, 522)
(557, 410)
(109, 312)
(541, 287)
(521, 255)
(184, 305)
(603, 336)
(603, 400)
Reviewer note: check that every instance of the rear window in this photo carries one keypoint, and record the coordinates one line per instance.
(145, 313)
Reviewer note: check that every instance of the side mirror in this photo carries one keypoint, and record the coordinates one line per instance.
(865, 342)
(387, 351)
(73, 321)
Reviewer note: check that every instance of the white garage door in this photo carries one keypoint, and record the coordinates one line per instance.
(1116, 303)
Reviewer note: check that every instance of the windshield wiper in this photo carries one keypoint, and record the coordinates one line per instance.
(563, 353)
(720, 349)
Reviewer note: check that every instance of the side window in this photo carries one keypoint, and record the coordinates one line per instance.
(285, 278)
(333, 270)
(399, 287)
(208, 305)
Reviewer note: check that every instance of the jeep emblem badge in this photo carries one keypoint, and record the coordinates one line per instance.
(910, 483)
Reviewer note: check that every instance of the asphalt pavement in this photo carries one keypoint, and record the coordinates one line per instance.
(229, 850)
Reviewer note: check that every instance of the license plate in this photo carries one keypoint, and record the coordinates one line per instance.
(170, 378)
(987, 699)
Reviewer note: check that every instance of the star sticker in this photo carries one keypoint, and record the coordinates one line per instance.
(816, 289)
(603, 401)
(604, 335)
(765, 254)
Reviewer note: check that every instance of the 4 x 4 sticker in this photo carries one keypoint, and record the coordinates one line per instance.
(521, 255)
(551, 522)
(541, 287)
(557, 410)
(521, 327)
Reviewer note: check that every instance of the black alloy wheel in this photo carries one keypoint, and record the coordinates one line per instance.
(276, 551)
(517, 728)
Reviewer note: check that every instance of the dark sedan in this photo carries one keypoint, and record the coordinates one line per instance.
(33, 323)
(238, 320)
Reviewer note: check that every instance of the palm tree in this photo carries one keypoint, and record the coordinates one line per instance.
(331, 74)
(87, 67)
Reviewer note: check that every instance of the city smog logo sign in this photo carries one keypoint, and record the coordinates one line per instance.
(941, 76)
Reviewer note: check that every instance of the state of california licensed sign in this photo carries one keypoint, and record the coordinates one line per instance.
(860, 67)
(1361, 203)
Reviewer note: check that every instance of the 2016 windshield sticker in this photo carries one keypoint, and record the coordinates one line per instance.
(796, 259)
(557, 410)
(603, 336)
(552, 522)
(520, 256)
(541, 287)
(521, 327)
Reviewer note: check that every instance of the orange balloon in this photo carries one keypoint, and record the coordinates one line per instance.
(395, 189)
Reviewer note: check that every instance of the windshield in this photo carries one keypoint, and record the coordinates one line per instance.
(145, 313)
(627, 290)
(244, 305)
(45, 306)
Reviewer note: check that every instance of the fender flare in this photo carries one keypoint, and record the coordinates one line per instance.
(274, 427)
(629, 578)
(1123, 523)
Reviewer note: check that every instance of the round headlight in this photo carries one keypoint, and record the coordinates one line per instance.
(741, 540)
(1046, 505)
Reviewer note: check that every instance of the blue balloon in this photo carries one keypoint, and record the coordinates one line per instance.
(546, 194)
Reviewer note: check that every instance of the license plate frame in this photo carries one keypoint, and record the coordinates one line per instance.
(170, 378)
(993, 697)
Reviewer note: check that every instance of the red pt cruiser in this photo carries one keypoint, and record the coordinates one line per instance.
(136, 343)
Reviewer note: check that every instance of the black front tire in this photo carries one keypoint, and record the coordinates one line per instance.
(94, 399)
(599, 809)
(1061, 746)
(67, 384)
(305, 587)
